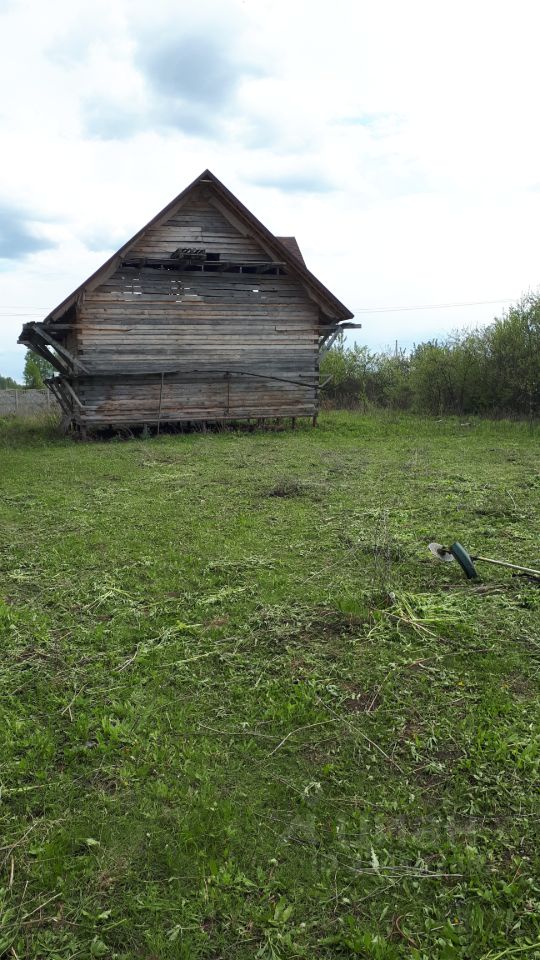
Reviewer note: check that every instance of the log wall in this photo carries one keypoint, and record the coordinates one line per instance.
(169, 344)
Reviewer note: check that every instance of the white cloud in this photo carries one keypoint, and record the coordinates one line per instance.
(396, 140)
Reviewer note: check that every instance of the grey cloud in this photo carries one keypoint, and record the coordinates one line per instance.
(186, 118)
(295, 182)
(195, 68)
(191, 86)
(17, 238)
(76, 37)
(112, 121)
(106, 120)
(100, 241)
(261, 132)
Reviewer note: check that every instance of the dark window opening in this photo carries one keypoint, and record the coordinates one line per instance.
(212, 261)
(209, 263)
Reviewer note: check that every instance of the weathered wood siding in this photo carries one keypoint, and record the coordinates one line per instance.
(205, 344)
(201, 223)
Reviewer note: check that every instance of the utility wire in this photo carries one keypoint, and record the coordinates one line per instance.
(432, 306)
(38, 311)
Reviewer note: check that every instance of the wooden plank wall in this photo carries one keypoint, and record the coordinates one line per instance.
(200, 223)
(218, 338)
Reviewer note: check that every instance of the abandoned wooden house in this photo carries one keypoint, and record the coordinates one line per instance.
(203, 315)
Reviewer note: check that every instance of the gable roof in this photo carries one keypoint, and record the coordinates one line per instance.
(292, 246)
(283, 248)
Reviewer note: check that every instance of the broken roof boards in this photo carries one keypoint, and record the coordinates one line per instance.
(202, 315)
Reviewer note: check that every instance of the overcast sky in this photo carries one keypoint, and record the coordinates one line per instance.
(397, 139)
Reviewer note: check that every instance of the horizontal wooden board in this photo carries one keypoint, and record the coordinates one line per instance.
(169, 345)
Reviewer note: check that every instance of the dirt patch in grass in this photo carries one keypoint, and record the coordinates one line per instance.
(286, 489)
(365, 701)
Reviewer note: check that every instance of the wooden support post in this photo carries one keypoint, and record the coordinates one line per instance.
(65, 423)
(228, 379)
(314, 420)
(160, 404)
(293, 423)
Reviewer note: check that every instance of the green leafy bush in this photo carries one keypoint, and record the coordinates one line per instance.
(494, 370)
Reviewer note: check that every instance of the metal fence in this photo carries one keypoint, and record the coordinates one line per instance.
(27, 403)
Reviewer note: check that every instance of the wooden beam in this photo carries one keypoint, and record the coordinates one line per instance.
(328, 342)
(43, 332)
(69, 388)
(54, 386)
(38, 347)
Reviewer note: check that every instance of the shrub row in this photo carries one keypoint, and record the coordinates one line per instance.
(494, 370)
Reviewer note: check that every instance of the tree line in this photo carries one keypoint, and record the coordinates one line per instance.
(493, 371)
(35, 372)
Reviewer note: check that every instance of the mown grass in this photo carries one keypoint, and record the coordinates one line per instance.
(245, 714)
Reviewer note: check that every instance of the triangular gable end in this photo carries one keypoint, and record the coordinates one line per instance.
(241, 219)
(200, 224)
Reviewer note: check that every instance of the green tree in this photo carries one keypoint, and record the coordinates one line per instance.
(8, 383)
(36, 370)
(348, 369)
(513, 343)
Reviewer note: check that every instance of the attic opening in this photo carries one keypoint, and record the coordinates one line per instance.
(201, 262)
(211, 262)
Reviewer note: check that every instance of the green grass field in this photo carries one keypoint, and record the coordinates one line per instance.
(244, 714)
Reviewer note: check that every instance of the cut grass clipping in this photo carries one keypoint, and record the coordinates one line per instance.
(243, 712)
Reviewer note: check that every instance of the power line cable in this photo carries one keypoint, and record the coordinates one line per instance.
(433, 306)
(37, 311)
